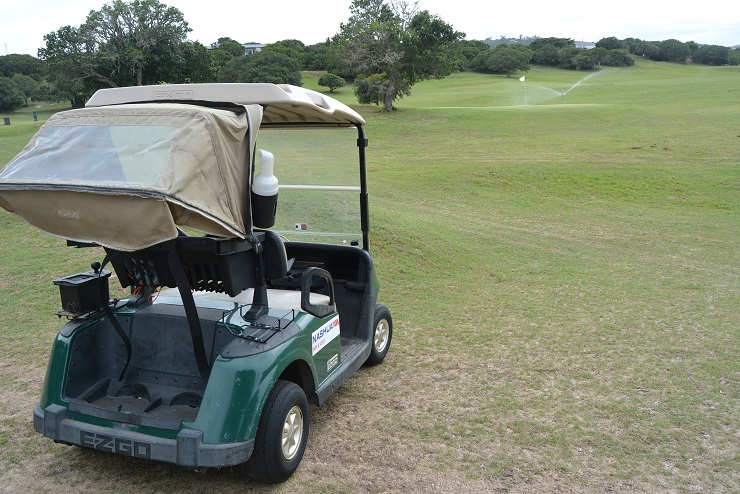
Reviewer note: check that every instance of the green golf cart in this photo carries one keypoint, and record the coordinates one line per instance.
(245, 304)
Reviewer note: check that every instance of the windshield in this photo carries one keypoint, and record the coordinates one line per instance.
(135, 154)
(319, 176)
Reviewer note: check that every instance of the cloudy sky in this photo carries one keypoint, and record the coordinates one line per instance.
(23, 24)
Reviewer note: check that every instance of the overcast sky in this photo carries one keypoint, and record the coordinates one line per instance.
(23, 23)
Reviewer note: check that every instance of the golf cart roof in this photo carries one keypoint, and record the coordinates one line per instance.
(138, 162)
(282, 104)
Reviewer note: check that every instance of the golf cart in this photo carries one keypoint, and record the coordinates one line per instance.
(241, 310)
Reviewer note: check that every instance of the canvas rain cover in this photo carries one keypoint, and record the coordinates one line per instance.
(127, 176)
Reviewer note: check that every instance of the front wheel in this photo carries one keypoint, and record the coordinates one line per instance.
(382, 335)
(282, 434)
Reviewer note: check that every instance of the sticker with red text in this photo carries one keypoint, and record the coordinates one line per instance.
(322, 336)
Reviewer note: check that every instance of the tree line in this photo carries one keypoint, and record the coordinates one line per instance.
(610, 51)
(384, 48)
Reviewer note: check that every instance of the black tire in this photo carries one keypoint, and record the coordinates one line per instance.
(382, 335)
(282, 434)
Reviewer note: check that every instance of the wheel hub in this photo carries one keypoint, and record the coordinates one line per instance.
(292, 432)
(382, 330)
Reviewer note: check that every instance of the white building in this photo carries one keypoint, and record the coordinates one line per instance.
(250, 48)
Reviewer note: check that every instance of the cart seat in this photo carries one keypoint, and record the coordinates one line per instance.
(279, 299)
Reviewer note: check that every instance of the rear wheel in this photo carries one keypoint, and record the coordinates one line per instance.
(382, 335)
(281, 435)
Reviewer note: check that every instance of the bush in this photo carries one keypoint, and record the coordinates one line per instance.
(29, 86)
(647, 49)
(11, 96)
(371, 89)
(734, 57)
(332, 81)
(619, 58)
(712, 55)
(264, 66)
(546, 55)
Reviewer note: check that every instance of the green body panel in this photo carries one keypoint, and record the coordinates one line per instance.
(56, 369)
(374, 283)
(237, 387)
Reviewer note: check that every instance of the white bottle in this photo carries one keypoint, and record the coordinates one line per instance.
(264, 192)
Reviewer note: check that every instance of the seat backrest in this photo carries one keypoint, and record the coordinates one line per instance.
(274, 255)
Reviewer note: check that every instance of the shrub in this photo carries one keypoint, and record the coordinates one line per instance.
(11, 96)
(332, 81)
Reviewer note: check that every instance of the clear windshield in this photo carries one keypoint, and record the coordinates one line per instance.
(134, 154)
(319, 176)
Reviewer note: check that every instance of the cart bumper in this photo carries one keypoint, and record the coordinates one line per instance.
(186, 450)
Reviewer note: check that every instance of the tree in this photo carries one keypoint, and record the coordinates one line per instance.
(332, 81)
(647, 49)
(290, 47)
(396, 41)
(546, 55)
(139, 35)
(121, 44)
(230, 46)
(610, 43)
(293, 48)
(315, 57)
(219, 58)
(582, 61)
(556, 42)
(619, 58)
(568, 55)
(372, 89)
(49, 92)
(673, 50)
(11, 97)
(734, 57)
(550, 51)
(507, 58)
(71, 65)
(480, 62)
(469, 50)
(632, 44)
(598, 56)
(263, 66)
(21, 64)
(197, 64)
(28, 85)
(712, 55)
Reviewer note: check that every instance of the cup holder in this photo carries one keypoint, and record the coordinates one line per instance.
(134, 390)
(188, 398)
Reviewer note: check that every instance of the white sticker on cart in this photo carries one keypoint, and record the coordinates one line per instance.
(322, 336)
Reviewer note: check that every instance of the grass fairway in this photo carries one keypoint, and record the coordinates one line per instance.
(564, 278)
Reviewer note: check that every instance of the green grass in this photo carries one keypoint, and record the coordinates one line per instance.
(22, 127)
(564, 278)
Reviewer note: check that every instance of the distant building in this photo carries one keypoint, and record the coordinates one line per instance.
(250, 48)
(586, 45)
(503, 40)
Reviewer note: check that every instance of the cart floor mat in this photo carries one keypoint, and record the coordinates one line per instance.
(134, 403)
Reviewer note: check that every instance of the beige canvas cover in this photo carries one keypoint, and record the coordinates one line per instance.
(126, 176)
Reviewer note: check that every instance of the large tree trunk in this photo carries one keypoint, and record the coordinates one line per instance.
(78, 101)
(390, 93)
